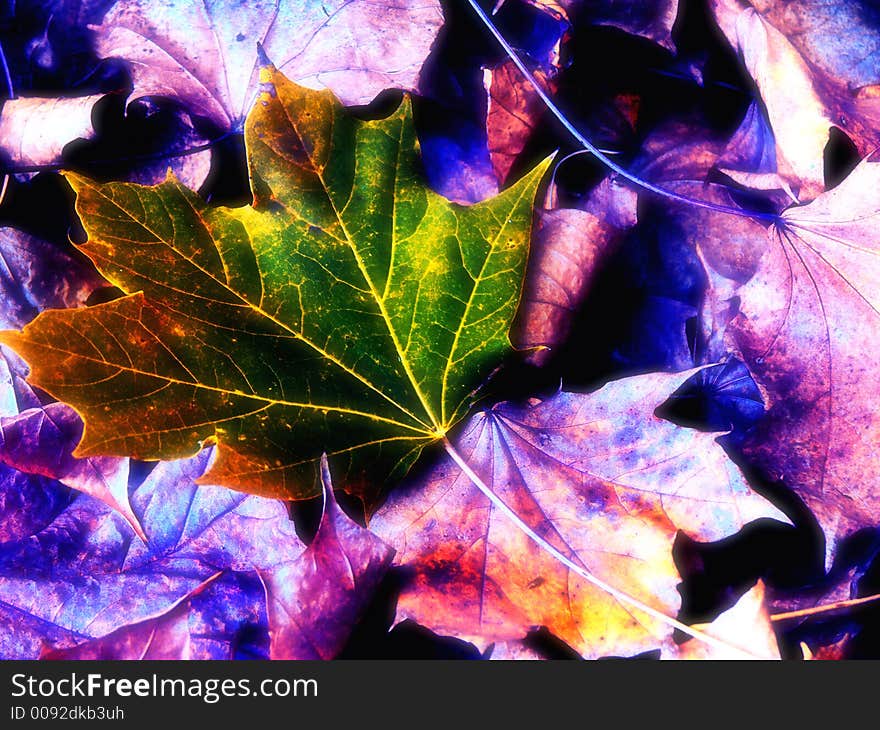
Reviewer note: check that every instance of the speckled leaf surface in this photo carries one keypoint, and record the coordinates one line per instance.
(599, 477)
(349, 310)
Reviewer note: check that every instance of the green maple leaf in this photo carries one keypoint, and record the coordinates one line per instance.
(349, 310)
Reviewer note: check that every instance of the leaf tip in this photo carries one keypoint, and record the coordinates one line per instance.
(76, 181)
(263, 58)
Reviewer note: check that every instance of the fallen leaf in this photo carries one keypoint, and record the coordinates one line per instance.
(727, 246)
(213, 568)
(34, 130)
(817, 66)
(808, 318)
(719, 398)
(799, 119)
(352, 310)
(674, 152)
(569, 245)
(514, 110)
(745, 626)
(205, 55)
(37, 275)
(597, 476)
(750, 156)
(840, 43)
(41, 440)
(327, 589)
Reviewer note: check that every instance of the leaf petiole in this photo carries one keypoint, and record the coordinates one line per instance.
(579, 569)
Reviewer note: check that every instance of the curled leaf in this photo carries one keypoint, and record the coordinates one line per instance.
(34, 130)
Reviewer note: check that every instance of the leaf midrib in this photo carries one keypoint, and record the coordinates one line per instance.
(439, 428)
(237, 393)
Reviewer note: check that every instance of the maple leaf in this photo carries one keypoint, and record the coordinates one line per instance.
(351, 310)
(206, 54)
(215, 563)
(808, 319)
(41, 441)
(597, 477)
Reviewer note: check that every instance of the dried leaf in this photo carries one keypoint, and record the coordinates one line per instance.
(569, 247)
(745, 626)
(201, 579)
(750, 156)
(602, 480)
(808, 318)
(799, 119)
(34, 130)
(514, 110)
(205, 55)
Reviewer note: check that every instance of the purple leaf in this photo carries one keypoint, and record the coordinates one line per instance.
(200, 584)
(42, 440)
(36, 275)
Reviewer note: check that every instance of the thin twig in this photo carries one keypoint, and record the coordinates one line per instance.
(10, 94)
(579, 569)
(596, 152)
(824, 608)
(10, 90)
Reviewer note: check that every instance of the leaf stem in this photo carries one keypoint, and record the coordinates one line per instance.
(7, 77)
(595, 151)
(579, 569)
(824, 608)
